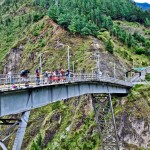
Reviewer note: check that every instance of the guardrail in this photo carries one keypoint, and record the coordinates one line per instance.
(148, 70)
(136, 77)
(144, 83)
(17, 82)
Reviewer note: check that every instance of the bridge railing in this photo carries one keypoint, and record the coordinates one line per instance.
(148, 70)
(96, 77)
(15, 81)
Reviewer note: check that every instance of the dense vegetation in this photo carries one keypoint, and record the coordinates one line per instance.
(16, 16)
(139, 43)
(100, 12)
(85, 17)
(79, 17)
(148, 77)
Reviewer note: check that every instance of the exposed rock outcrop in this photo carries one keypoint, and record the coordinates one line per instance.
(13, 59)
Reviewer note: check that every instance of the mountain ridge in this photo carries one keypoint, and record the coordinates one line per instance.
(144, 6)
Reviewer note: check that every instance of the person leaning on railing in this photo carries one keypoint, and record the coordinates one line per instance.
(24, 75)
(37, 77)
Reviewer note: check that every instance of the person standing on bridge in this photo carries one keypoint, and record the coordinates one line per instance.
(45, 77)
(37, 77)
(9, 76)
(24, 75)
(67, 73)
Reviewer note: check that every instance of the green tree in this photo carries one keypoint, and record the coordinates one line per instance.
(147, 22)
(85, 31)
(38, 144)
(34, 146)
(52, 12)
(19, 22)
(64, 20)
(109, 46)
(129, 40)
(39, 140)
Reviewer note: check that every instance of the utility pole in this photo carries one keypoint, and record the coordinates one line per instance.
(98, 65)
(114, 70)
(69, 60)
(41, 63)
(124, 73)
(133, 63)
(97, 58)
(73, 66)
(41, 69)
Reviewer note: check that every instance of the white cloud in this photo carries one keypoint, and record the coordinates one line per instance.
(142, 1)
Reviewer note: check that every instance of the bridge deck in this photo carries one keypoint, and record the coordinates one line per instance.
(16, 82)
(23, 99)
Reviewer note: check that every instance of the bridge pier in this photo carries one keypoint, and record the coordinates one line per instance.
(3, 146)
(105, 120)
(20, 131)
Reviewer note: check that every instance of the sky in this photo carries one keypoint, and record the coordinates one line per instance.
(142, 1)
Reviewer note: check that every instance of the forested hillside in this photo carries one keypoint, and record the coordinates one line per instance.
(87, 18)
(117, 29)
(79, 17)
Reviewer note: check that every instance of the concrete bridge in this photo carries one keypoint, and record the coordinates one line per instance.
(23, 99)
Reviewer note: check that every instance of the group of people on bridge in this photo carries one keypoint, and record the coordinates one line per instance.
(48, 77)
(52, 76)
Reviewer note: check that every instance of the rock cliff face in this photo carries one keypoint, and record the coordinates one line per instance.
(134, 132)
(133, 123)
(13, 59)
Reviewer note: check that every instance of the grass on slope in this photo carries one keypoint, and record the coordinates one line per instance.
(127, 53)
(45, 37)
(14, 24)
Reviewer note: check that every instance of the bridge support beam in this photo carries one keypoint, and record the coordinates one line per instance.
(105, 119)
(21, 130)
(12, 129)
(3, 146)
